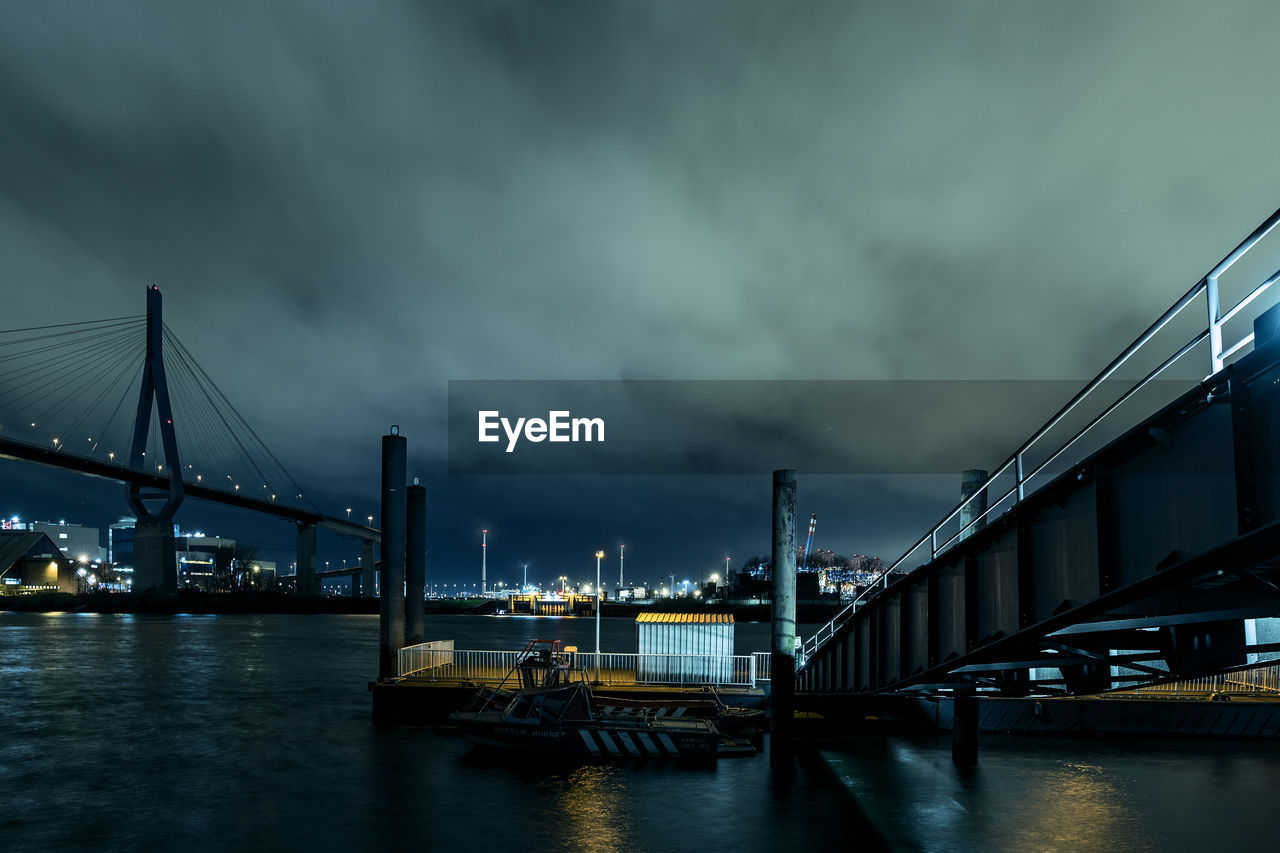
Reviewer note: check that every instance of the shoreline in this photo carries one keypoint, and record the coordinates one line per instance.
(190, 602)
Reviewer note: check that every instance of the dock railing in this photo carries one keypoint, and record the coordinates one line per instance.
(1060, 443)
(441, 662)
(1257, 681)
(764, 665)
(424, 657)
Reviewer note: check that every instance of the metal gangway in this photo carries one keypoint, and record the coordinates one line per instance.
(1133, 538)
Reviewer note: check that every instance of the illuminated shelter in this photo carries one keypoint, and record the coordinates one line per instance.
(31, 562)
(684, 648)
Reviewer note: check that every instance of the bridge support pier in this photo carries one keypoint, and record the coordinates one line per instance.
(368, 570)
(415, 564)
(155, 564)
(391, 609)
(964, 730)
(783, 652)
(305, 576)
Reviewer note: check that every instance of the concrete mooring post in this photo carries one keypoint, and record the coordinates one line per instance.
(964, 729)
(391, 607)
(783, 652)
(415, 565)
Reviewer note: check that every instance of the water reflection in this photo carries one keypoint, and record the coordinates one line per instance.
(590, 811)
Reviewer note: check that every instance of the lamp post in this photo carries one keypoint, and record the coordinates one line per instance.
(599, 557)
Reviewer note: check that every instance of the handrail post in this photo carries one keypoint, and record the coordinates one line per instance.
(1215, 328)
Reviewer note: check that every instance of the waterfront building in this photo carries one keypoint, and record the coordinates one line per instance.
(31, 562)
(76, 542)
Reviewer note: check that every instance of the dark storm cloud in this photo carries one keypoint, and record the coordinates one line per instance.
(348, 205)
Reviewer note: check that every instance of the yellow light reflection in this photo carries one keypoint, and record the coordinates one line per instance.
(592, 811)
(1077, 808)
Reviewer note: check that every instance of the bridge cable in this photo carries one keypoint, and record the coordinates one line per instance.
(198, 372)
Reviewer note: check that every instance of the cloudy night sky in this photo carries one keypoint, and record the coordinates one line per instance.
(348, 205)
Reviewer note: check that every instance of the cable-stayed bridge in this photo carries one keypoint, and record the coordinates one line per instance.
(124, 399)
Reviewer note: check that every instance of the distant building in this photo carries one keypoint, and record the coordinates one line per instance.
(263, 574)
(76, 542)
(204, 562)
(31, 562)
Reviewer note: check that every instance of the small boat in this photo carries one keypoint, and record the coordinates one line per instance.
(561, 720)
(704, 704)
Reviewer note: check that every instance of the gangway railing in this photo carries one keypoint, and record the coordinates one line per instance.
(1013, 478)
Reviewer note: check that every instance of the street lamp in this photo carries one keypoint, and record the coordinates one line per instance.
(599, 557)
(348, 513)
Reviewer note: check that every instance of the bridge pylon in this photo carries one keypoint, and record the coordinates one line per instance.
(154, 561)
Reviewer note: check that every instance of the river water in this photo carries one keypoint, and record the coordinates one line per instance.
(155, 733)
